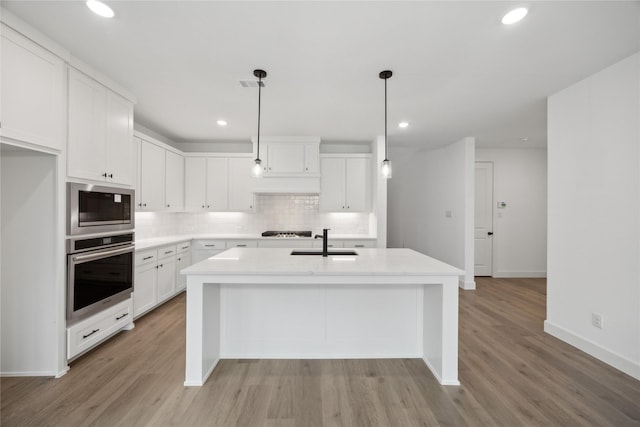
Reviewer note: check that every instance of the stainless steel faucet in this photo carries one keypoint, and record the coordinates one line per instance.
(325, 241)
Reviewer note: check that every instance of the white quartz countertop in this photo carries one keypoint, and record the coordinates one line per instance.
(143, 244)
(279, 261)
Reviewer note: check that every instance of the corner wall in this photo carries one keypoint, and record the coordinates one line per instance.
(520, 229)
(594, 215)
(431, 202)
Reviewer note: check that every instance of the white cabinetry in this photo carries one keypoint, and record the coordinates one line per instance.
(152, 172)
(206, 248)
(218, 184)
(345, 184)
(100, 132)
(183, 260)
(166, 272)
(90, 332)
(33, 96)
(160, 178)
(241, 196)
(291, 158)
(174, 181)
(155, 278)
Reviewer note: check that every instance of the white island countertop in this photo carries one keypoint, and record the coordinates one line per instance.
(266, 303)
(280, 262)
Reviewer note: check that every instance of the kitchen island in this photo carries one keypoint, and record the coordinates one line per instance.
(267, 303)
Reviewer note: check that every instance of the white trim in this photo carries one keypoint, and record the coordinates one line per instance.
(467, 285)
(520, 274)
(79, 65)
(321, 356)
(26, 30)
(204, 379)
(607, 356)
(438, 377)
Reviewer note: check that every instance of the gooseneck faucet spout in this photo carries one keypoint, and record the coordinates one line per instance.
(325, 241)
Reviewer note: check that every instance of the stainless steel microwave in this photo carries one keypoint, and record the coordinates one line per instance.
(97, 209)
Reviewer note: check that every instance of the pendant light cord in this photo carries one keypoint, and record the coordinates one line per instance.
(259, 96)
(385, 119)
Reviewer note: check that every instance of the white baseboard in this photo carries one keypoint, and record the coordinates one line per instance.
(467, 285)
(33, 374)
(609, 357)
(519, 274)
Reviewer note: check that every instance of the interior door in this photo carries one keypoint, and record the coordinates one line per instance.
(484, 219)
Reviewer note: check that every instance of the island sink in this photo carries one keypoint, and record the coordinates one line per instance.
(330, 253)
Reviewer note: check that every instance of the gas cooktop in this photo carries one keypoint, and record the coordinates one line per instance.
(287, 234)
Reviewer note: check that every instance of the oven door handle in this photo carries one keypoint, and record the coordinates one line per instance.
(102, 254)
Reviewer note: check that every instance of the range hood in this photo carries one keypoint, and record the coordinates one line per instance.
(287, 185)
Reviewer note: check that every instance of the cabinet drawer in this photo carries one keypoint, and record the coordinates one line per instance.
(97, 328)
(360, 243)
(183, 247)
(209, 244)
(167, 251)
(146, 257)
(242, 243)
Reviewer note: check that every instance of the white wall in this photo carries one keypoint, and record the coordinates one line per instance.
(425, 186)
(594, 215)
(29, 285)
(520, 229)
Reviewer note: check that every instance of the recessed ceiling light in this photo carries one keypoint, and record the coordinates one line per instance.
(403, 124)
(514, 16)
(221, 123)
(100, 8)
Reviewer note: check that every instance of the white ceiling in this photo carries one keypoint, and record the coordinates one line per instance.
(457, 70)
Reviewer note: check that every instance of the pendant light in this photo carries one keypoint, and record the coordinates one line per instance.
(256, 170)
(386, 164)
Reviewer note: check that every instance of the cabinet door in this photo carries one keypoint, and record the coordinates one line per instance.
(86, 151)
(195, 183)
(119, 139)
(145, 294)
(174, 181)
(217, 184)
(311, 158)
(285, 158)
(332, 185)
(358, 190)
(166, 278)
(240, 184)
(151, 177)
(182, 261)
(32, 100)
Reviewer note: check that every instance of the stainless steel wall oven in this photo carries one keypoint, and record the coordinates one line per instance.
(99, 273)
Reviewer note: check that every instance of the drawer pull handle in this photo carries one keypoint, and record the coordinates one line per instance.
(168, 252)
(210, 246)
(90, 333)
(147, 257)
(241, 246)
(123, 316)
(359, 246)
(185, 247)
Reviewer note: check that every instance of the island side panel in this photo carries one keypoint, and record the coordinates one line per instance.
(440, 330)
(203, 330)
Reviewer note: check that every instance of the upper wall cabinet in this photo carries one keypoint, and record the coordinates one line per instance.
(345, 183)
(33, 92)
(217, 184)
(160, 178)
(101, 144)
(294, 158)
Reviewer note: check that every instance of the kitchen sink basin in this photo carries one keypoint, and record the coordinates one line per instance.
(330, 253)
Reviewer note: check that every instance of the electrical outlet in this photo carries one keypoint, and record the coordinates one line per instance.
(596, 320)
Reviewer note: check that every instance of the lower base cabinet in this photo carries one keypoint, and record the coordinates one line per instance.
(88, 333)
(155, 278)
(183, 260)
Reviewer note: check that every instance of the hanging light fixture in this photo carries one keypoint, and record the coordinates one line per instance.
(256, 170)
(386, 164)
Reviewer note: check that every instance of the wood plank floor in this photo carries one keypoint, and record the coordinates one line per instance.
(512, 374)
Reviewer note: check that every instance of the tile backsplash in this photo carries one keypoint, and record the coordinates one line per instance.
(273, 212)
